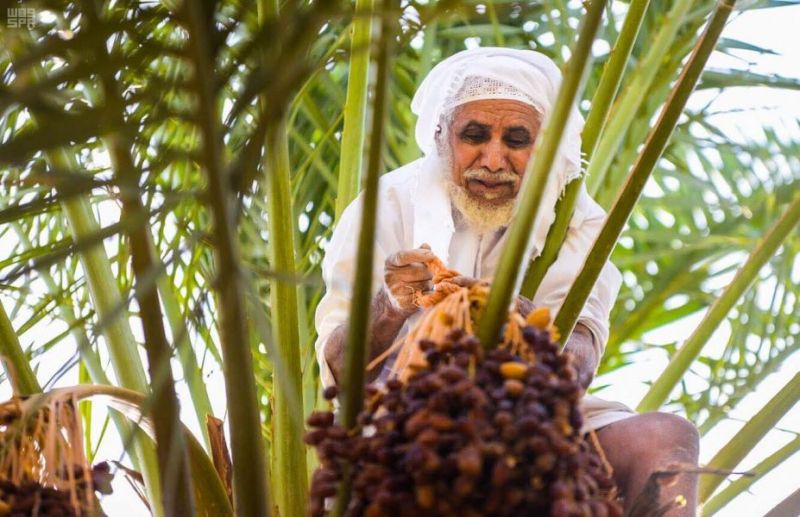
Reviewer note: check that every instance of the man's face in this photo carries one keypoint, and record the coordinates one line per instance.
(491, 142)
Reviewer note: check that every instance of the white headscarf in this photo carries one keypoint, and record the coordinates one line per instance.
(500, 73)
(521, 75)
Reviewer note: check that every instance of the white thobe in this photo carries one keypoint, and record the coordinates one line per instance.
(413, 209)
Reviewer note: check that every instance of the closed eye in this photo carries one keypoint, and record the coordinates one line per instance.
(474, 133)
(517, 137)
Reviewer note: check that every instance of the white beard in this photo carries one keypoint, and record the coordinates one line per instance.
(480, 216)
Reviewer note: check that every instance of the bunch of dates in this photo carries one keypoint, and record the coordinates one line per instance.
(471, 434)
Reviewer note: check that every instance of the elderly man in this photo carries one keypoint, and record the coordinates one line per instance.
(479, 113)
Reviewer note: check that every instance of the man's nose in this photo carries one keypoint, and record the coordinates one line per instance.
(493, 157)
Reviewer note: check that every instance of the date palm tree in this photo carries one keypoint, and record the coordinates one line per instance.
(171, 172)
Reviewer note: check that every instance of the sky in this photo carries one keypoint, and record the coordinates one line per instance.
(751, 109)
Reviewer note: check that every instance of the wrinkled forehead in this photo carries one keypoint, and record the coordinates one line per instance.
(494, 113)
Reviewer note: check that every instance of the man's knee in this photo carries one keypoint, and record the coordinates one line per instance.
(651, 438)
(665, 438)
(677, 433)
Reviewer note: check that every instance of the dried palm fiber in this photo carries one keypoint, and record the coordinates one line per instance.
(453, 306)
(43, 467)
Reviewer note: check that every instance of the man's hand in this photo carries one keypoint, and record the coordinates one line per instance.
(405, 273)
(584, 353)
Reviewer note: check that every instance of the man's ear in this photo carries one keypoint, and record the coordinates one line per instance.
(440, 136)
(438, 133)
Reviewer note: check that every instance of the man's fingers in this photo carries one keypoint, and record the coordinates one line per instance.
(406, 257)
(408, 289)
(410, 273)
(464, 281)
(405, 273)
(425, 286)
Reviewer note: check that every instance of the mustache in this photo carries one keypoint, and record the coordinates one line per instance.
(485, 175)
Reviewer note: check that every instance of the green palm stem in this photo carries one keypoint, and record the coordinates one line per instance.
(748, 436)
(555, 239)
(90, 360)
(355, 107)
(288, 451)
(122, 347)
(308, 361)
(536, 174)
(355, 359)
(165, 408)
(355, 348)
(250, 486)
(682, 360)
(716, 503)
(15, 361)
(659, 89)
(611, 78)
(602, 100)
(192, 371)
(497, 31)
(106, 298)
(788, 507)
(645, 163)
(627, 105)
